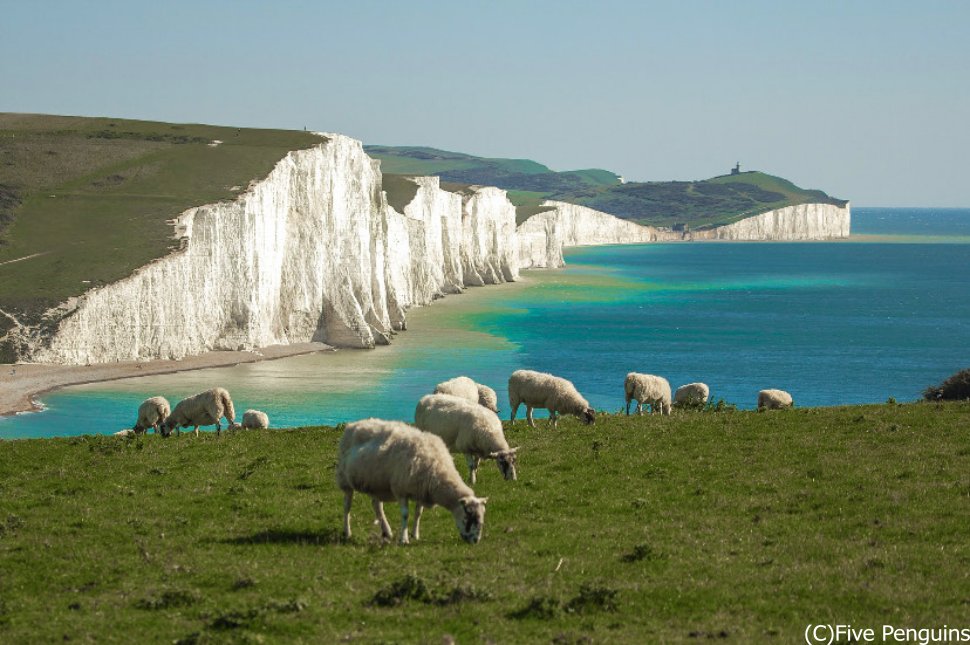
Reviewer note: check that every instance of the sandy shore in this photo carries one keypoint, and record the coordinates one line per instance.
(19, 384)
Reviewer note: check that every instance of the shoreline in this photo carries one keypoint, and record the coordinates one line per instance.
(22, 383)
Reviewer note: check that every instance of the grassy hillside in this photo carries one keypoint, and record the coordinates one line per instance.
(734, 526)
(699, 204)
(84, 201)
(528, 182)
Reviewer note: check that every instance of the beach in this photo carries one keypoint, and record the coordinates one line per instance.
(21, 383)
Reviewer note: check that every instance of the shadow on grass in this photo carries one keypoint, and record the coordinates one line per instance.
(287, 536)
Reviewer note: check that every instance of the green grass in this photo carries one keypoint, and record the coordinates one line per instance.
(91, 196)
(698, 204)
(736, 526)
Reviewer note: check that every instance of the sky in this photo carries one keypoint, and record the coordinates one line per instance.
(867, 100)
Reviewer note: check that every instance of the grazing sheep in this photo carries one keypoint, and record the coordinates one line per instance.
(468, 428)
(151, 414)
(692, 393)
(464, 387)
(255, 419)
(487, 398)
(647, 389)
(393, 461)
(774, 400)
(541, 390)
(203, 409)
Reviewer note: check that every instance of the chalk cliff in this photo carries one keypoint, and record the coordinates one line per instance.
(314, 252)
(793, 223)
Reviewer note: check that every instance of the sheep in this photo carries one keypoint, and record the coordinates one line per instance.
(774, 400)
(468, 428)
(541, 390)
(255, 419)
(152, 414)
(692, 393)
(647, 389)
(203, 409)
(464, 387)
(394, 461)
(487, 398)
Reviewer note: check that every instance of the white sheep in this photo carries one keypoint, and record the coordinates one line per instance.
(487, 398)
(203, 409)
(467, 428)
(692, 393)
(541, 390)
(774, 399)
(464, 387)
(255, 419)
(393, 461)
(152, 413)
(647, 389)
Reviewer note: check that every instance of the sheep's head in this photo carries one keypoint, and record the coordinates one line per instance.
(506, 462)
(167, 426)
(470, 518)
(589, 416)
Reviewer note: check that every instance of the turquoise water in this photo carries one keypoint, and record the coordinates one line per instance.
(832, 323)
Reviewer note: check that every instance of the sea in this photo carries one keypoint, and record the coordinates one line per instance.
(879, 316)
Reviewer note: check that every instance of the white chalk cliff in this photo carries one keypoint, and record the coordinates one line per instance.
(792, 223)
(315, 253)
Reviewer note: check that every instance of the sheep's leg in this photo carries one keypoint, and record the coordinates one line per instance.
(628, 399)
(515, 408)
(196, 431)
(640, 408)
(386, 533)
(418, 509)
(348, 500)
(218, 428)
(472, 467)
(404, 520)
(528, 415)
(553, 419)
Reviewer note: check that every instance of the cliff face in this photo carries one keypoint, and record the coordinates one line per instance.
(315, 253)
(794, 223)
(543, 236)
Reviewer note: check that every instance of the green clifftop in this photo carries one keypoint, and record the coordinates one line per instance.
(698, 204)
(84, 201)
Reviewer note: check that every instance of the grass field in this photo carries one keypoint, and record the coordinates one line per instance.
(84, 201)
(732, 526)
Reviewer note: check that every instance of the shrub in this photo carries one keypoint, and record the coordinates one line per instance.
(955, 388)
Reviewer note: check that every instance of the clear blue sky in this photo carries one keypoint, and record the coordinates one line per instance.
(868, 100)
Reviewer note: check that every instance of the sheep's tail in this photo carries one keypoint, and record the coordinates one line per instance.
(228, 409)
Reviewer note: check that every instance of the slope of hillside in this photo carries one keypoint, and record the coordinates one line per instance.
(697, 204)
(528, 183)
(85, 201)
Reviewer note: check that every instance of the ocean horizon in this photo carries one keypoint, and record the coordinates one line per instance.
(881, 315)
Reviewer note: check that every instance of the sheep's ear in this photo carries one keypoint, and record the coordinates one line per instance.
(483, 500)
(493, 455)
(514, 450)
